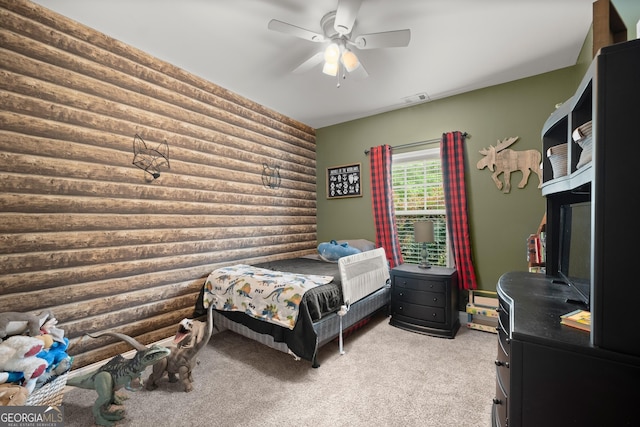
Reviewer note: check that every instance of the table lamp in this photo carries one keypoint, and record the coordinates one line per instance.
(423, 233)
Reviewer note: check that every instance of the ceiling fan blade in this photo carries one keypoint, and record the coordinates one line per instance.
(346, 15)
(309, 63)
(293, 30)
(398, 38)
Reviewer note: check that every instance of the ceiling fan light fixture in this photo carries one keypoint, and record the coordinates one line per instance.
(330, 68)
(337, 31)
(350, 60)
(332, 53)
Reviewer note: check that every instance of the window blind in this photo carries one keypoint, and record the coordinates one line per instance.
(419, 195)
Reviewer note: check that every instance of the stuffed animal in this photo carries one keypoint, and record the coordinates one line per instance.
(50, 328)
(57, 359)
(55, 352)
(47, 340)
(13, 395)
(18, 360)
(50, 374)
(332, 251)
(16, 323)
(21, 346)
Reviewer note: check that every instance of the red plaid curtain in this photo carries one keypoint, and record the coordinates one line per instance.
(384, 214)
(452, 154)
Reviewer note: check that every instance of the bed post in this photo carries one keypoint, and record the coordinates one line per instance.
(314, 362)
(341, 313)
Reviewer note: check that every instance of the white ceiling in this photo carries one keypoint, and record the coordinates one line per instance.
(456, 46)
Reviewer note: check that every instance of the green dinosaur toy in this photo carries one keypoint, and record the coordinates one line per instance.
(116, 373)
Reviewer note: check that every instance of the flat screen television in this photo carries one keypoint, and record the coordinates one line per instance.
(575, 249)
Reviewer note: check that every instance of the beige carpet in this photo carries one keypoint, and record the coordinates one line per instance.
(388, 377)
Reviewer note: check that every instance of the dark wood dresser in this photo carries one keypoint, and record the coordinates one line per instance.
(425, 300)
(548, 374)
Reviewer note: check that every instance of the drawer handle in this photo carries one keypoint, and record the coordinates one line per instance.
(497, 401)
(401, 294)
(501, 363)
(433, 314)
(435, 299)
(507, 339)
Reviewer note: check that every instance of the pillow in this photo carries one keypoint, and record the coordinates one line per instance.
(362, 244)
(332, 251)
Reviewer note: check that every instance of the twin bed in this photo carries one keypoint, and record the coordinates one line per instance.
(298, 305)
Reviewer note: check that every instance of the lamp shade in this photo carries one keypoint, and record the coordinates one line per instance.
(350, 60)
(423, 231)
(330, 68)
(332, 53)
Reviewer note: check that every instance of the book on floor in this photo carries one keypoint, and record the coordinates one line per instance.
(580, 319)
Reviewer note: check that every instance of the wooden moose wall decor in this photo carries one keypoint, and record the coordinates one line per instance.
(501, 160)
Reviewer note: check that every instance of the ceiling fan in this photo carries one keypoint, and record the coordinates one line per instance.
(337, 27)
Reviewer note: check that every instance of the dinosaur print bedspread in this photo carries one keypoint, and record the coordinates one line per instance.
(273, 296)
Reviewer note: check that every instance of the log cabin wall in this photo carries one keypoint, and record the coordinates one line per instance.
(96, 240)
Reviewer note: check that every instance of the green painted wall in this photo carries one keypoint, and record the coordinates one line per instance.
(500, 223)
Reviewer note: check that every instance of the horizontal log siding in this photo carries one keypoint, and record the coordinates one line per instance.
(83, 233)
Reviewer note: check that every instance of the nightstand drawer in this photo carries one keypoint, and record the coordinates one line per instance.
(418, 312)
(419, 284)
(431, 299)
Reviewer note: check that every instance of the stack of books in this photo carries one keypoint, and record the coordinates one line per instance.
(482, 311)
(535, 251)
(579, 319)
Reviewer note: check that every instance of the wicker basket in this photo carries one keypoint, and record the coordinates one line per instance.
(586, 144)
(50, 394)
(582, 135)
(558, 157)
(582, 131)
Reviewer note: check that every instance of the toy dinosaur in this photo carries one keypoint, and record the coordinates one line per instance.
(191, 337)
(16, 323)
(116, 373)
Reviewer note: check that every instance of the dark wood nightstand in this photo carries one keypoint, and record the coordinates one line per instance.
(425, 300)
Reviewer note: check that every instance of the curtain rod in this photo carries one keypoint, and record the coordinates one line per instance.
(412, 144)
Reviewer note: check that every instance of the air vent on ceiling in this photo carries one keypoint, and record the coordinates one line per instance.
(416, 99)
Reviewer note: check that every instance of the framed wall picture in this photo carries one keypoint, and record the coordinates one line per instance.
(344, 181)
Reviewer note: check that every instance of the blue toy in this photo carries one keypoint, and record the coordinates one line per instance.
(332, 251)
(55, 354)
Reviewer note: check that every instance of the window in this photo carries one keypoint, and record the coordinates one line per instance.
(418, 194)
